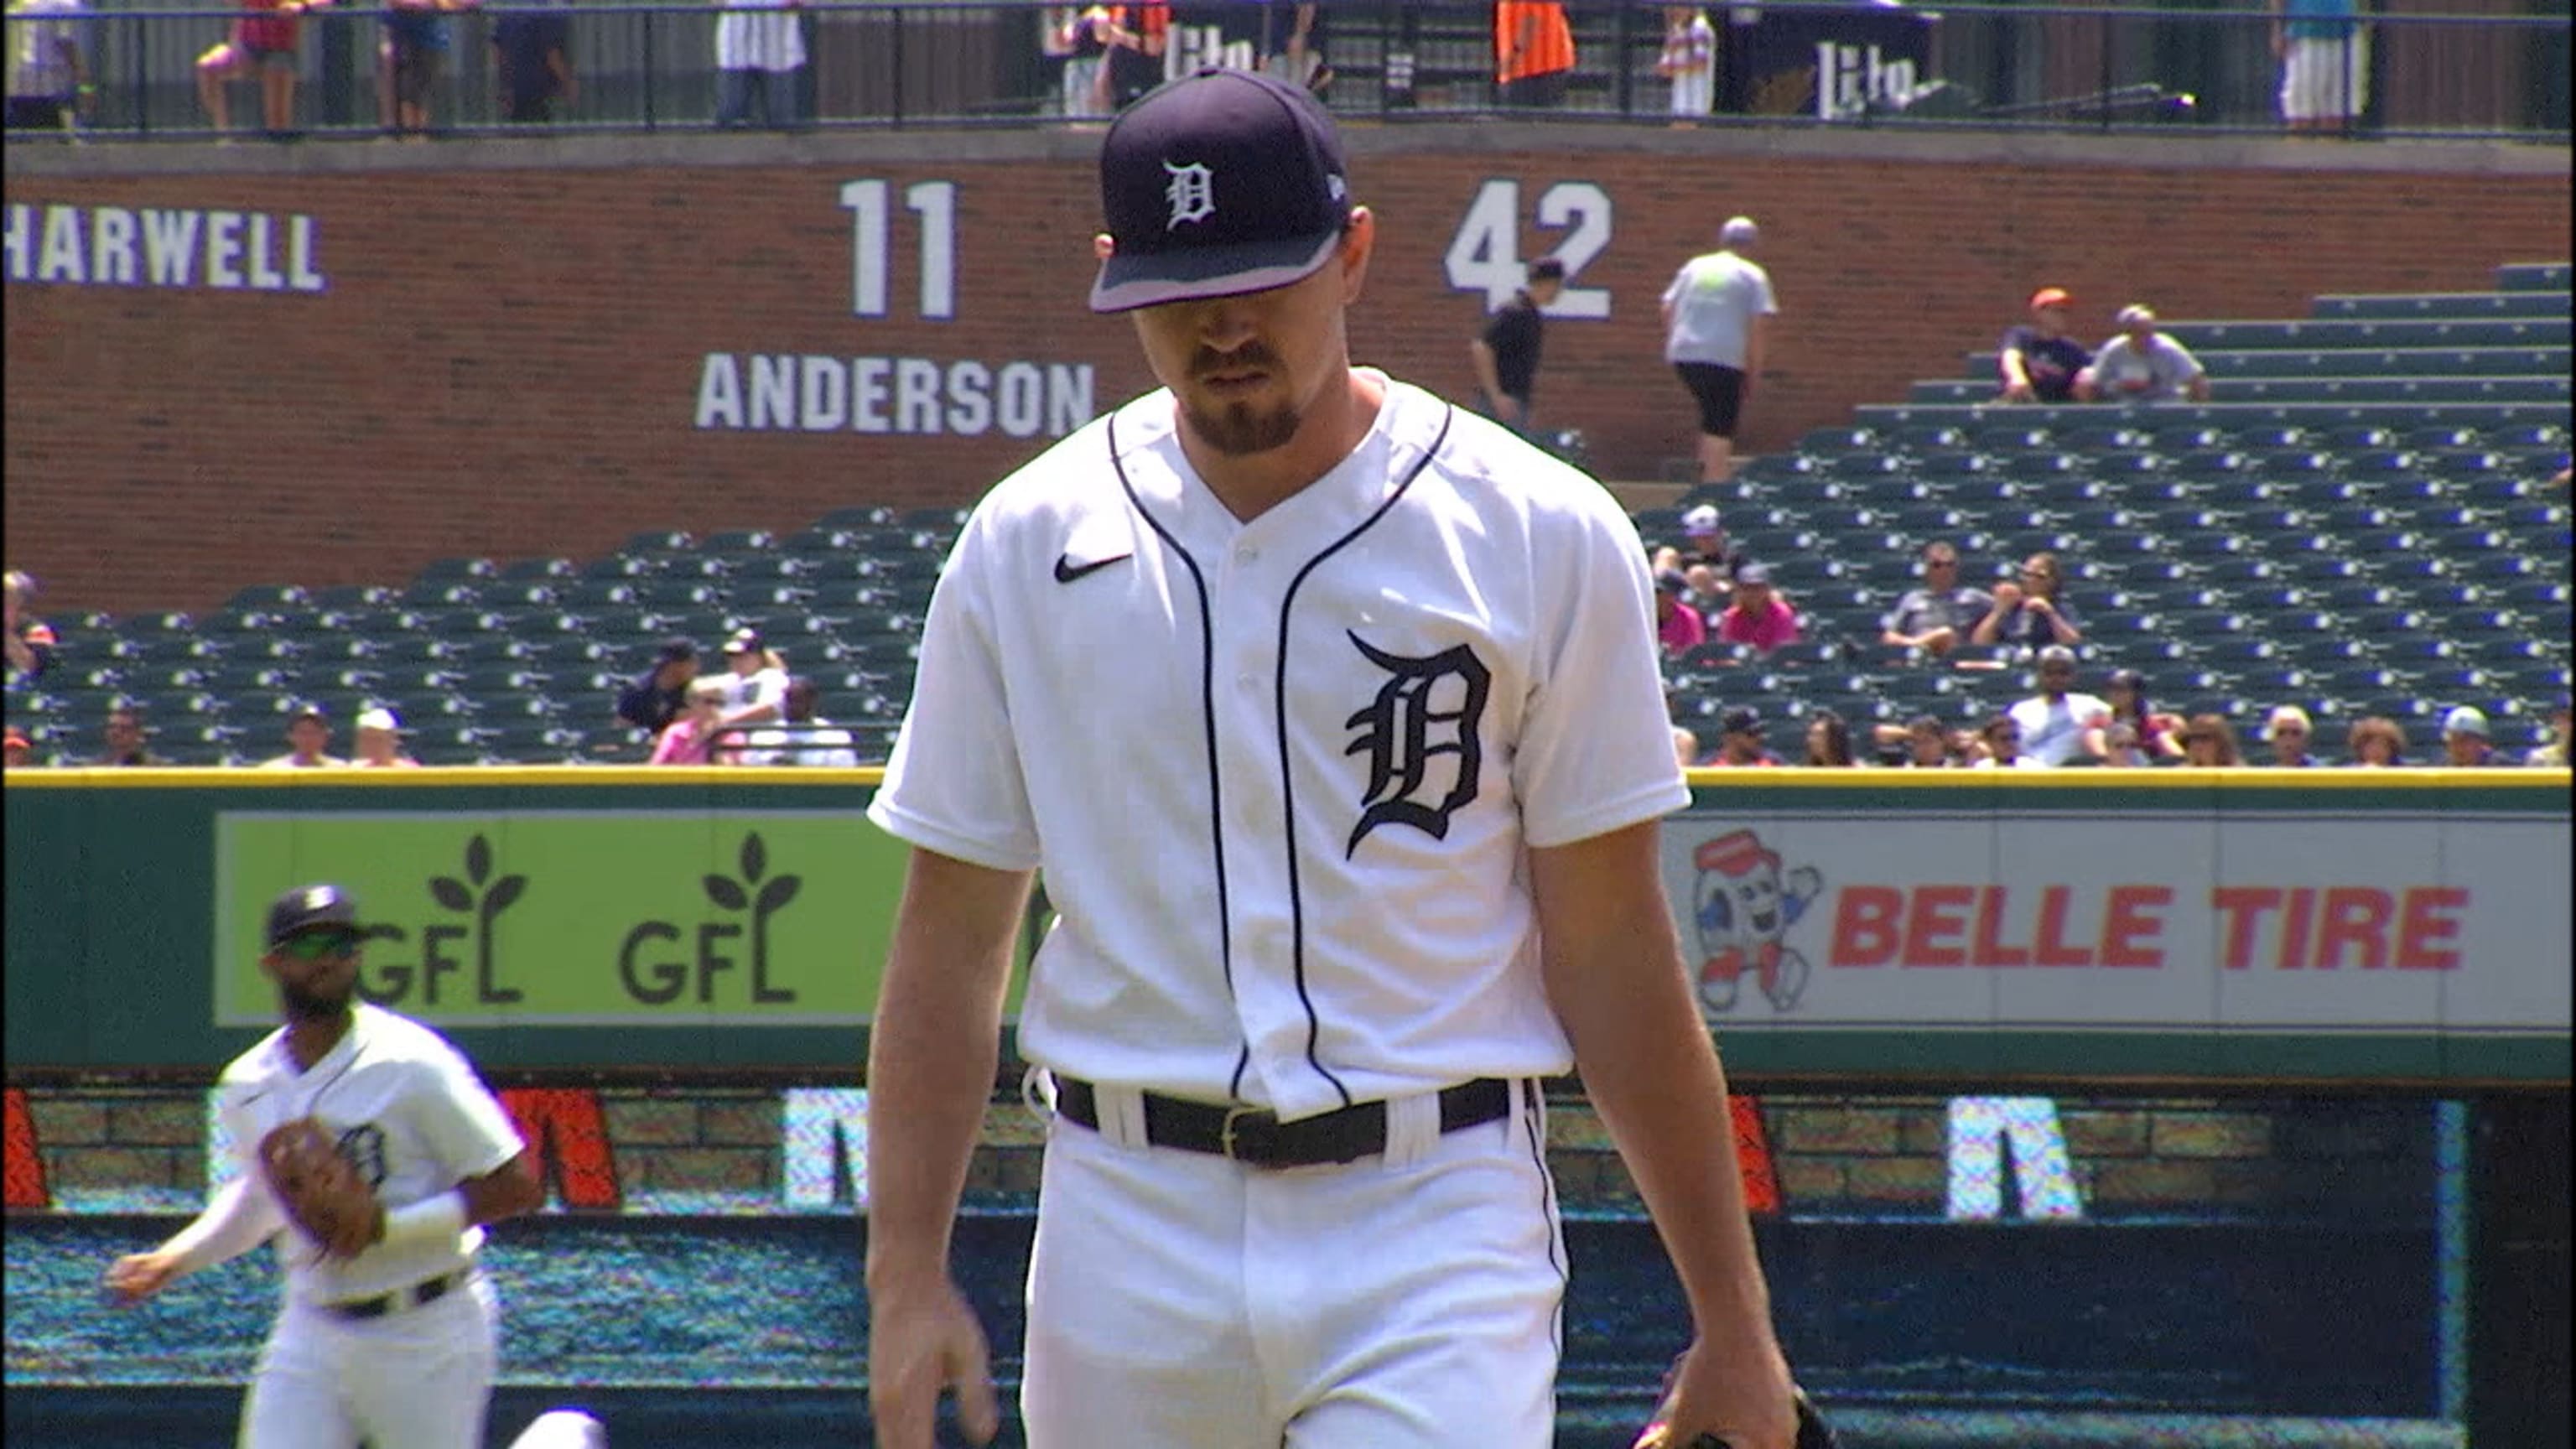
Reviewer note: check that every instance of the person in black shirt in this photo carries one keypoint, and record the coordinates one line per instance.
(2039, 362)
(125, 740)
(1506, 353)
(659, 695)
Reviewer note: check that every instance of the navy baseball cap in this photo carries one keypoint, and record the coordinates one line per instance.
(1217, 184)
(310, 908)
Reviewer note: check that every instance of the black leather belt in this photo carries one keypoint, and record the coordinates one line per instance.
(1255, 1135)
(428, 1290)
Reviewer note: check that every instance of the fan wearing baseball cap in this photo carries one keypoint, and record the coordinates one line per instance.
(2039, 361)
(380, 733)
(1362, 844)
(308, 740)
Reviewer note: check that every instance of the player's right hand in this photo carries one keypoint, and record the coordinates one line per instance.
(920, 1342)
(138, 1276)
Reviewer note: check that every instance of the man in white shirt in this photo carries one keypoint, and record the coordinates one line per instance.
(809, 738)
(1356, 841)
(1717, 327)
(2057, 724)
(396, 1343)
(2142, 365)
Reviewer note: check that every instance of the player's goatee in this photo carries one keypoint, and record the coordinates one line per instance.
(300, 1001)
(1240, 430)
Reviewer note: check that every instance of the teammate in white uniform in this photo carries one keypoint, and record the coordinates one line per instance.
(1320, 703)
(396, 1346)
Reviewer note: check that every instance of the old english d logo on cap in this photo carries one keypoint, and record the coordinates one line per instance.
(1217, 184)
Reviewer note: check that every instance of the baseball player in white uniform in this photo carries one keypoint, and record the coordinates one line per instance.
(1322, 705)
(396, 1342)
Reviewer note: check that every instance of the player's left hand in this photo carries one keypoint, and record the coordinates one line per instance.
(1745, 1401)
(138, 1276)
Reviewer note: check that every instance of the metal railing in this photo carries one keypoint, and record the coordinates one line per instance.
(868, 64)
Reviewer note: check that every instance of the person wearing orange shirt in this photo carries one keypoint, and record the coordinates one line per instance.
(1533, 54)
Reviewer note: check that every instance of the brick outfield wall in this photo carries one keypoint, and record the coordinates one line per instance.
(505, 361)
(2183, 1155)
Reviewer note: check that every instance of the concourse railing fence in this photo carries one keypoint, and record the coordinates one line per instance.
(861, 64)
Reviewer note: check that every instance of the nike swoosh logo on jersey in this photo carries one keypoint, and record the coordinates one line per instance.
(1066, 570)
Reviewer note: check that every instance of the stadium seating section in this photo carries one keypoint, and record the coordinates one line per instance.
(2360, 523)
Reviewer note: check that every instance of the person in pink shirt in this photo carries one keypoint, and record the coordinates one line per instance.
(684, 741)
(1677, 620)
(1758, 616)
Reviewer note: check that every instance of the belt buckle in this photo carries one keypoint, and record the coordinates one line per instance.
(1225, 1137)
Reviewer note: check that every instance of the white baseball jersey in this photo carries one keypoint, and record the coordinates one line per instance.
(1281, 775)
(407, 1109)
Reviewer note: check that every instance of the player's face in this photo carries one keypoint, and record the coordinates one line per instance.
(1248, 370)
(316, 972)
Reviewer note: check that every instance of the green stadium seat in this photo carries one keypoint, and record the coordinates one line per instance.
(2532, 277)
(865, 516)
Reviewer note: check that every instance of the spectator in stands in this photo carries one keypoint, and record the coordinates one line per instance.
(1689, 62)
(1739, 741)
(1533, 55)
(262, 43)
(308, 742)
(2143, 365)
(1299, 58)
(755, 681)
(1757, 616)
(2325, 64)
(2209, 742)
(1677, 623)
(2466, 744)
(380, 733)
(808, 739)
(1505, 355)
(1828, 740)
(1073, 37)
(760, 52)
(2287, 730)
(2376, 742)
(16, 749)
(2033, 613)
(2001, 740)
(660, 694)
(532, 62)
(687, 740)
(1926, 745)
(1136, 36)
(2060, 725)
(2039, 362)
(2144, 734)
(128, 740)
(408, 55)
(1685, 746)
(2552, 755)
(1940, 614)
(1717, 330)
(49, 80)
(30, 641)
(1706, 556)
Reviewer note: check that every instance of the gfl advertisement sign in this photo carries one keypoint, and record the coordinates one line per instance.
(2241, 922)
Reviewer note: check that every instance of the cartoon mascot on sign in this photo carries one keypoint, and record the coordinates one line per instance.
(1744, 910)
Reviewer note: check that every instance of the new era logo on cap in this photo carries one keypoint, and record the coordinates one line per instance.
(1217, 184)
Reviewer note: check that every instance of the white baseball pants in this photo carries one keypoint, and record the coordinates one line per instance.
(420, 1378)
(1181, 1301)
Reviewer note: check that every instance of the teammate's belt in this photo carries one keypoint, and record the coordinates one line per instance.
(428, 1290)
(1255, 1135)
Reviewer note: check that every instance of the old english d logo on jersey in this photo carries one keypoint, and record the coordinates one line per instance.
(364, 1146)
(1428, 708)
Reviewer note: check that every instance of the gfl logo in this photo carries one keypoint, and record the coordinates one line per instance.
(659, 982)
(480, 899)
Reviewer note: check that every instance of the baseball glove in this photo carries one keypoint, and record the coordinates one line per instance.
(1813, 1431)
(319, 1188)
